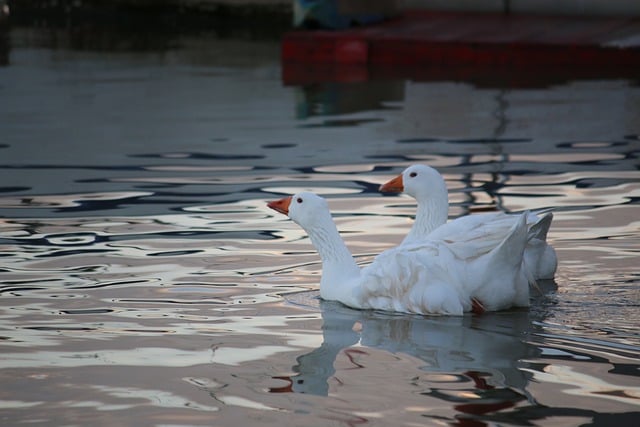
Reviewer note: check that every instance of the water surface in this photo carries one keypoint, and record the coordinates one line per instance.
(144, 281)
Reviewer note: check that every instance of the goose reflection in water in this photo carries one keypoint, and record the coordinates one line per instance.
(471, 363)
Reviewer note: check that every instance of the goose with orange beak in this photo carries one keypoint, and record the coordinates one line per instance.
(428, 187)
(431, 277)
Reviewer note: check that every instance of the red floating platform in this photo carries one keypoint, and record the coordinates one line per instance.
(422, 39)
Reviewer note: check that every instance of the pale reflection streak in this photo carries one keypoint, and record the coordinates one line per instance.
(574, 177)
(584, 385)
(161, 398)
(33, 229)
(243, 402)
(175, 320)
(570, 196)
(15, 404)
(66, 200)
(237, 179)
(144, 357)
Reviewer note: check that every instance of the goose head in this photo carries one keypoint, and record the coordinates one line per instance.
(305, 209)
(426, 185)
(421, 182)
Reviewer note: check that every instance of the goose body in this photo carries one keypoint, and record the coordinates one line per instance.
(427, 186)
(430, 277)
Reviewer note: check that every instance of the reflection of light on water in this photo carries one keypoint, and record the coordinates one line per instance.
(548, 351)
(566, 157)
(464, 394)
(66, 200)
(100, 406)
(569, 195)
(581, 384)
(243, 402)
(191, 168)
(14, 404)
(72, 239)
(161, 398)
(235, 356)
(144, 356)
(344, 168)
(315, 189)
(175, 320)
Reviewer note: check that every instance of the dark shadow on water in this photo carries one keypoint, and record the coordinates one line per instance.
(135, 26)
(145, 25)
(481, 76)
(4, 51)
(345, 98)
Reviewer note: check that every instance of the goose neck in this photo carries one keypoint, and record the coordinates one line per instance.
(331, 247)
(429, 216)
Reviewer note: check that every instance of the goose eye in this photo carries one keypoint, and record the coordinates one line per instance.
(413, 174)
(299, 200)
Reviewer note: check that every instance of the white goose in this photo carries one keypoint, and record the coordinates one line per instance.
(431, 277)
(428, 187)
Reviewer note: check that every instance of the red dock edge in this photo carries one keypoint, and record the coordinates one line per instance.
(422, 40)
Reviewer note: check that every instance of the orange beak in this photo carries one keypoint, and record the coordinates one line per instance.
(394, 186)
(281, 205)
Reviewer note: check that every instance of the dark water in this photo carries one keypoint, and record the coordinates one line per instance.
(144, 281)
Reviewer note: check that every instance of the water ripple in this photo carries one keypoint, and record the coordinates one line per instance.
(143, 277)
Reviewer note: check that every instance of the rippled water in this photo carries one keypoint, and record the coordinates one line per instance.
(144, 281)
